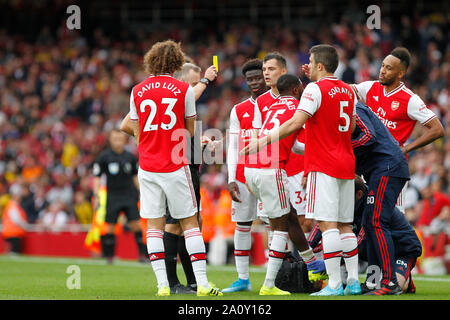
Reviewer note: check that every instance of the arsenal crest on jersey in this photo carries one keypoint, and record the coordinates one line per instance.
(395, 105)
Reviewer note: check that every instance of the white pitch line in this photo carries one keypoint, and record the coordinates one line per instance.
(420, 278)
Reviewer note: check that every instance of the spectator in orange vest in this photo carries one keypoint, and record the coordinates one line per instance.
(14, 222)
(224, 222)
(223, 216)
(208, 224)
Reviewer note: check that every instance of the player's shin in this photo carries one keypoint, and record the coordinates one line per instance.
(196, 249)
(332, 253)
(186, 262)
(242, 243)
(276, 255)
(350, 255)
(170, 247)
(155, 248)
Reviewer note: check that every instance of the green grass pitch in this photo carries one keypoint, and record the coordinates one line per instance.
(51, 278)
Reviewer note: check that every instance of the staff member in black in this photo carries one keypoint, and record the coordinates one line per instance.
(120, 168)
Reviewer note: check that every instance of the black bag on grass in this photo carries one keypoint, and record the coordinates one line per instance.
(293, 276)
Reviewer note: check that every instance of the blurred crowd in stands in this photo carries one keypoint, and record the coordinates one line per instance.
(62, 93)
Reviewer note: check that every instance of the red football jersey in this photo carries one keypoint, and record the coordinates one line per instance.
(399, 109)
(263, 103)
(161, 104)
(330, 103)
(295, 162)
(276, 154)
(241, 124)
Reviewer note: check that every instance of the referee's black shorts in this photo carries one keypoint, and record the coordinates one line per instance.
(195, 175)
(116, 203)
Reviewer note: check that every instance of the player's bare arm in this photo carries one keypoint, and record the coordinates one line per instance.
(134, 126)
(353, 124)
(210, 75)
(432, 130)
(233, 189)
(190, 125)
(96, 191)
(125, 125)
(136, 182)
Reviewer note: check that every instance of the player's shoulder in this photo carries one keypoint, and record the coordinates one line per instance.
(141, 83)
(247, 102)
(169, 82)
(311, 91)
(244, 106)
(407, 91)
(265, 96)
(286, 101)
(177, 81)
(365, 86)
(369, 84)
(312, 87)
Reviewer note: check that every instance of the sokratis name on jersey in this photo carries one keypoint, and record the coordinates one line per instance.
(337, 89)
(156, 85)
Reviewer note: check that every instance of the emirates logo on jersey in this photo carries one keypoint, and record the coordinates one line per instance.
(395, 105)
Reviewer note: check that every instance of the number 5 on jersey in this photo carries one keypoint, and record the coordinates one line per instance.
(345, 116)
(153, 108)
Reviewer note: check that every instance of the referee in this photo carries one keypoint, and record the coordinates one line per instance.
(120, 168)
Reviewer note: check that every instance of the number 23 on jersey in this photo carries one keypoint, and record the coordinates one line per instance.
(149, 125)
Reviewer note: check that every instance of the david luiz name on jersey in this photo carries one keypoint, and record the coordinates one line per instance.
(156, 85)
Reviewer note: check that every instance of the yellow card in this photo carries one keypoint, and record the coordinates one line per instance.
(216, 63)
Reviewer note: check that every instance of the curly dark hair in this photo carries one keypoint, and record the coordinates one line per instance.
(164, 57)
(253, 64)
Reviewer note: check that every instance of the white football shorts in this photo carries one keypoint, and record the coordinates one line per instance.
(271, 187)
(329, 199)
(175, 187)
(297, 193)
(245, 210)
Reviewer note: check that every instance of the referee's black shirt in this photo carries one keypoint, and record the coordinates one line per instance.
(120, 170)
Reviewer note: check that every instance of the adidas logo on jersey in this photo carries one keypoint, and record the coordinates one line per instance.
(371, 193)
(246, 115)
(265, 108)
(375, 98)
